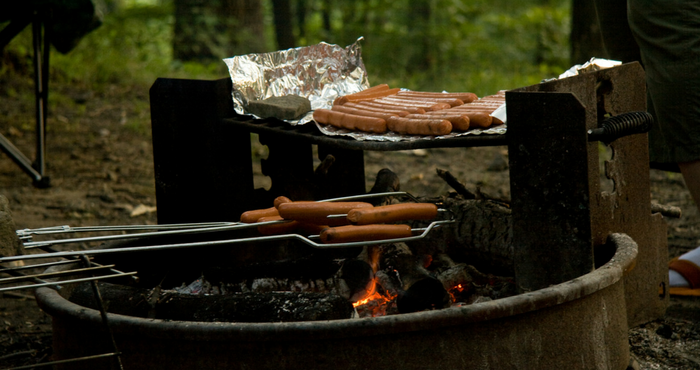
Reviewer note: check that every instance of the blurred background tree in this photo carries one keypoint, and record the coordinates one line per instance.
(478, 45)
(207, 30)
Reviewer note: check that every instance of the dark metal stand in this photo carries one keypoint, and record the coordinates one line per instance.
(561, 218)
(40, 21)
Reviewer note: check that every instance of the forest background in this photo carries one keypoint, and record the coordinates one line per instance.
(432, 45)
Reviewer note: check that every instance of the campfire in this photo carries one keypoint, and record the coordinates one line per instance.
(239, 299)
(430, 271)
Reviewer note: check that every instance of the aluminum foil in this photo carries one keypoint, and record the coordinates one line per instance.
(595, 64)
(320, 73)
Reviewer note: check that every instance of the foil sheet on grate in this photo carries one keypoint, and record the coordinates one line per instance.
(320, 73)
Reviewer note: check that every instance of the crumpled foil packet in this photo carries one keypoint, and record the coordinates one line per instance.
(319, 72)
(595, 64)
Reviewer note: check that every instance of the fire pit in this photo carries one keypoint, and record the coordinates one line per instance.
(573, 246)
(578, 324)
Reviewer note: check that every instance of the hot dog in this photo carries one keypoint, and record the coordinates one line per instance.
(466, 97)
(279, 228)
(365, 96)
(399, 112)
(352, 233)
(384, 105)
(288, 227)
(393, 213)
(279, 200)
(362, 112)
(250, 217)
(477, 119)
(373, 89)
(460, 122)
(425, 105)
(318, 212)
(419, 100)
(380, 87)
(350, 121)
(419, 126)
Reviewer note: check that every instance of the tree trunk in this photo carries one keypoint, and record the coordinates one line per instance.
(301, 18)
(586, 41)
(418, 19)
(215, 29)
(284, 31)
(326, 16)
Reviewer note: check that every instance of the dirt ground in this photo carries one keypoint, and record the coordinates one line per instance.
(101, 167)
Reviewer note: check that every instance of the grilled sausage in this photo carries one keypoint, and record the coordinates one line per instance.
(250, 217)
(365, 96)
(460, 122)
(364, 107)
(376, 88)
(419, 100)
(393, 213)
(353, 233)
(419, 126)
(279, 228)
(318, 212)
(477, 118)
(425, 105)
(350, 121)
(385, 105)
(279, 200)
(362, 112)
(288, 227)
(465, 97)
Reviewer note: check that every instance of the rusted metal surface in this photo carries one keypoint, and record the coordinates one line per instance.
(627, 208)
(580, 324)
(202, 167)
(547, 150)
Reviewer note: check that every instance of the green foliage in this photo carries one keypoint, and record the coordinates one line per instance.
(481, 46)
(477, 45)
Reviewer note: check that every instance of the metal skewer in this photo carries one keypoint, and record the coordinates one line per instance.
(307, 240)
(62, 282)
(171, 229)
(16, 279)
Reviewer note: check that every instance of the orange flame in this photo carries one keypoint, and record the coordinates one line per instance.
(372, 297)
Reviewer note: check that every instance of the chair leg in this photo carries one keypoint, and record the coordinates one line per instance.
(41, 82)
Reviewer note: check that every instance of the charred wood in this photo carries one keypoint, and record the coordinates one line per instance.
(455, 184)
(451, 274)
(386, 181)
(241, 307)
(481, 235)
(417, 289)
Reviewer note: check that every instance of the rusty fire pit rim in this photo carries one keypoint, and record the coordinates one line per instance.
(624, 259)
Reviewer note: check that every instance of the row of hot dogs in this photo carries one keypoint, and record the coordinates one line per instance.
(379, 109)
(349, 221)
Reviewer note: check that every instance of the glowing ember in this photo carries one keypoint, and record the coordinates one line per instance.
(376, 305)
(375, 296)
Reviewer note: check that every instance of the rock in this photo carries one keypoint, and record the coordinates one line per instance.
(9, 242)
(282, 107)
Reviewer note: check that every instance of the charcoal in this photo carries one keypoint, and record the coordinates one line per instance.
(282, 107)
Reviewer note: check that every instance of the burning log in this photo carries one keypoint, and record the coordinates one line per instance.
(451, 274)
(417, 289)
(467, 284)
(240, 307)
(482, 234)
